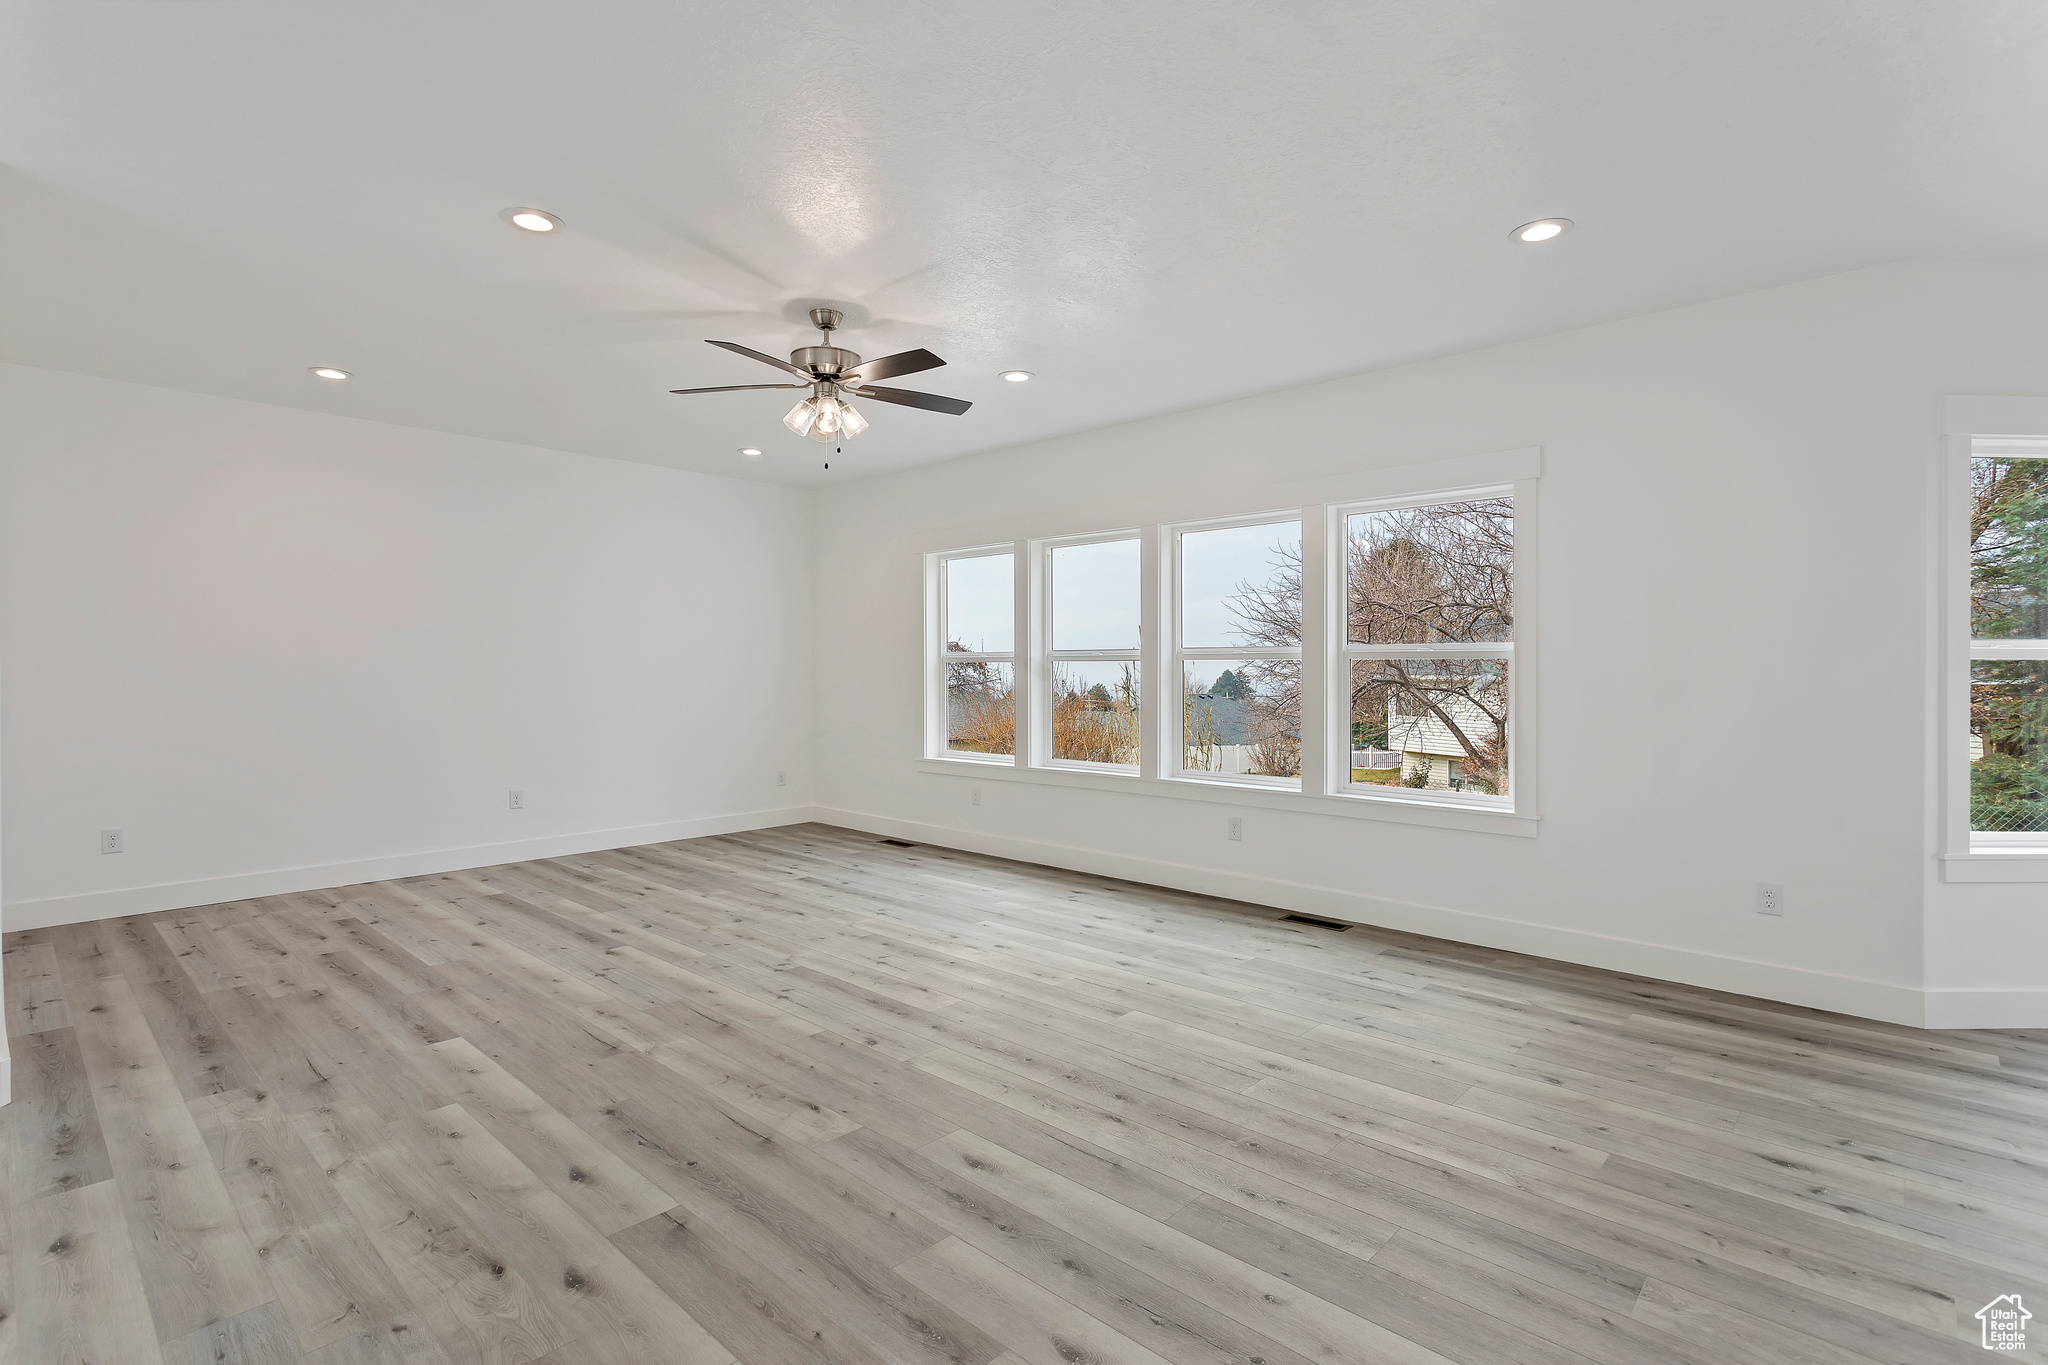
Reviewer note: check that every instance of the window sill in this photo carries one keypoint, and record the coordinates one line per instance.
(1995, 864)
(1389, 809)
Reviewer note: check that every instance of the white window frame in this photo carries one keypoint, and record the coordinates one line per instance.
(1324, 787)
(1172, 729)
(1344, 653)
(937, 657)
(1968, 856)
(1044, 656)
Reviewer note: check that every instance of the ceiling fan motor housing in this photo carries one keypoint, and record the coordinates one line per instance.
(826, 362)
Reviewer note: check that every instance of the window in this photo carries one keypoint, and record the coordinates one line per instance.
(1091, 713)
(2008, 615)
(977, 624)
(1238, 651)
(1428, 623)
(1351, 657)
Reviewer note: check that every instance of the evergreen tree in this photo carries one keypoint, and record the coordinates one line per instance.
(2009, 601)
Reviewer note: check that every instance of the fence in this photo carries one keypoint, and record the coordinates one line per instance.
(1223, 758)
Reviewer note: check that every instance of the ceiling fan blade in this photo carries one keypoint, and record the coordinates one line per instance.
(738, 349)
(734, 388)
(910, 398)
(889, 366)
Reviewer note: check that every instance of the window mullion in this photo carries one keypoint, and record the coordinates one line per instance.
(1500, 649)
(2009, 649)
(1159, 696)
(1318, 757)
(1027, 654)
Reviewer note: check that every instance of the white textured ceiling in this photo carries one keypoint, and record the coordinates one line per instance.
(1153, 206)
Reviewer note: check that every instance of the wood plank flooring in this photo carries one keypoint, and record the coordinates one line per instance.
(801, 1096)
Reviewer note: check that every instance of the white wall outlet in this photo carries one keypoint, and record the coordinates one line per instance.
(110, 841)
(974, 796)
(1770, 898)
(515, 800)
(781, 778)
(1236, 828)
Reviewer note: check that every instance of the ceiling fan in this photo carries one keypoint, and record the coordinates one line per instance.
(830, 372)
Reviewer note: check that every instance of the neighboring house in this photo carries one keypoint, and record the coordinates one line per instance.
(1227, 724)
(1230, 718)
(1426, 744)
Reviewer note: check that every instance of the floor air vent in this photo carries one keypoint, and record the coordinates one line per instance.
(1311, 919)
(899, 843)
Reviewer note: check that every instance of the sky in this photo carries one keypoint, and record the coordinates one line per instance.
(1095, 590)
(979, 597)
(1214, 565)
(1095, 595)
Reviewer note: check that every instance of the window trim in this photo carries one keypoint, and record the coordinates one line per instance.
(1044, 656)
(1343, 652)
(937, 657)
(1178, 655)
(1316, 504)
(1967, 856)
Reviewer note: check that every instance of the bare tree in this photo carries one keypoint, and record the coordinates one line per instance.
(1427, 574)
(1418, 575)
(981, 705)
(1269, 616)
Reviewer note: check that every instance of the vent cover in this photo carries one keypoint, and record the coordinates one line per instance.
(1318, 922)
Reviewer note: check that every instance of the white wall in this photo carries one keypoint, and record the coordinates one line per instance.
(1734, 502)
(1986, 944)
(280, 649)
(284, 650)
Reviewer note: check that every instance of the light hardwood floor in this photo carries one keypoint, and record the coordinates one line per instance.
(801, 1096)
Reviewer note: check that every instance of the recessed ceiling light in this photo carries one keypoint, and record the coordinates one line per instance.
(533, 220)
(329, 372)
(1542, 230)
(748, 450)
(1016, 376)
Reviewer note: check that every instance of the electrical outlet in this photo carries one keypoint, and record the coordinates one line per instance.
(974, 796)
(781, 778)
(1770, 898)
(515, 800)
(110, 841)
(1236, 828)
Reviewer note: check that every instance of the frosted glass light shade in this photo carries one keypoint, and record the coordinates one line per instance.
(826, 419)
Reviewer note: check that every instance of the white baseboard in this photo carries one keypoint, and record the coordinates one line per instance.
(1940, 1009)
(1947, 1009)
(1740, 976)
(143, 900)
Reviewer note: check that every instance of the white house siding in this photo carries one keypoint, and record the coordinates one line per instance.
(1429, 735)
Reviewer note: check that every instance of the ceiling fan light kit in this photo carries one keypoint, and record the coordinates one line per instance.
(825, 419)
(832, 372)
